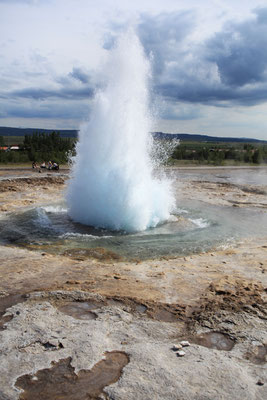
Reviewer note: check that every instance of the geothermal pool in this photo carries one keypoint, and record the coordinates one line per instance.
(194, 227)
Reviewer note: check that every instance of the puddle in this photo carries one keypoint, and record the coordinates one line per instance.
(116, 303)
(164, 316)
(61, 382)
(258, 355)
(5, 303)
(214, 340)
(4, 320)
(158, 311)
(87, 309)
(166, 312)
(141, 308)
(79, 310)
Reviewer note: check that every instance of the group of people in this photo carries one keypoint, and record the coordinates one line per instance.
(51, 165)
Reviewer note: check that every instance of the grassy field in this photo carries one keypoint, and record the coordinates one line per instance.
(223, 153)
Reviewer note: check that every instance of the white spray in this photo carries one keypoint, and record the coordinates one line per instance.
(112, 185)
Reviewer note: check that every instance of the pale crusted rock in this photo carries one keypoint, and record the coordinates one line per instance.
(180, 353)
(184, 343)
(150, 373)
(176, 347)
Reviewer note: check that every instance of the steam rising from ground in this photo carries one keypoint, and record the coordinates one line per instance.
(112, 185)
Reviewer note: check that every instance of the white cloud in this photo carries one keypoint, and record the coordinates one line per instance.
(51, 50)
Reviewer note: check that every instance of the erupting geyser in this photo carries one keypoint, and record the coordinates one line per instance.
(112, 185)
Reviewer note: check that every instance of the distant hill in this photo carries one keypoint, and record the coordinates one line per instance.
(6, 131)
(186, 137)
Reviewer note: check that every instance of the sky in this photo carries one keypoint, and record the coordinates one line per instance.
(208, 60)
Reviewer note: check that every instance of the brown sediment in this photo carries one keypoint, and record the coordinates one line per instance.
(98, 253)
(232, 295)
(23, 192)
(231, 186)
(226, 193)
(258, 355)
(214, 340)
(220, 293)
(235, 295)
(61, 382)
(4, 320)
(44, 248)
(21, 184)
(166, 312)
(79, 310)
(147, 309)
(158, 311)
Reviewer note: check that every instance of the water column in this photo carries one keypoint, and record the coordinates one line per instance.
(112, 185)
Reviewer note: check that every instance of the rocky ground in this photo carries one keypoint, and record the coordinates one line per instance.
(93, 326)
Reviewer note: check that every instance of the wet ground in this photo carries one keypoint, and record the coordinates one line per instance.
(60, 381)
(88, 323)
(220, 214)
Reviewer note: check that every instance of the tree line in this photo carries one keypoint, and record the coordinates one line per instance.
(218, 154)
(40, 147)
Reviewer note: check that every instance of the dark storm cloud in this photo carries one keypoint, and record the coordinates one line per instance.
(218, 95)
(75, 110)
(261, 14)
(230, 67)
(240, 51)
(80, 75)
(66, 99)
(62, 93)
(163, 35)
